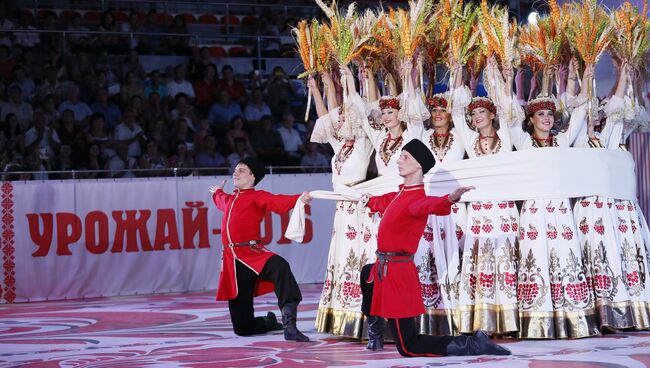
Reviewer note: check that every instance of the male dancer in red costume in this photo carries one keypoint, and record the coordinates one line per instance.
(391, 288)
(248, 268)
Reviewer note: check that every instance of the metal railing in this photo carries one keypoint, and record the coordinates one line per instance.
(195, 39)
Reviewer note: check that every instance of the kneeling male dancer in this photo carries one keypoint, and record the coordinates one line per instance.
(248, 269)
(391, 288)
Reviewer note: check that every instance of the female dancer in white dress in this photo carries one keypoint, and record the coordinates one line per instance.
(598, 230)
(631, 226)
(339, 310)
(442, 242)
(552, 291)
(489, 272)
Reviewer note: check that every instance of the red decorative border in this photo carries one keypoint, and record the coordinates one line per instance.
(8, 242)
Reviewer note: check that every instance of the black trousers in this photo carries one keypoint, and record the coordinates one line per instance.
(408, 341)
(242, 314)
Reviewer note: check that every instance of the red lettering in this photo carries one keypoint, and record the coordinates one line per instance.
(42, 240)
(268, 229)
(192, 226)
(96, 225)
(64, 238)
(166, 231)
(132, 227)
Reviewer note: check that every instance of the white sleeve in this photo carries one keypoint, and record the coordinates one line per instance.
(461, 98)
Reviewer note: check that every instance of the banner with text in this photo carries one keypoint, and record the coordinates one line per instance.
(75, 239)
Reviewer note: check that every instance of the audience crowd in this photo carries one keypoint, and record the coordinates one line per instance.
(98, 110)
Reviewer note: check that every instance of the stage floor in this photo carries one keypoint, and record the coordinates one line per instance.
(192, 330)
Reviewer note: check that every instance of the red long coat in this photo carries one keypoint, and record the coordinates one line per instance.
(405, 213)
(243, 213)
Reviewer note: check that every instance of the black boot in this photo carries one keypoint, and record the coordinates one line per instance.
(479, 344)
(289, 315)
(376, 329)
(271, 322)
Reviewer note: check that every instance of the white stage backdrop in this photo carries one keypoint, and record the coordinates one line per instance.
(75, 239)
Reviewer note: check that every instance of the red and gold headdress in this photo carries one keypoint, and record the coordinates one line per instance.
(540, 103)
(389, 102)
(437, 100)
(483, 102)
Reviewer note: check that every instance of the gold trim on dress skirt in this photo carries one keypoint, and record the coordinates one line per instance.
(619, 315)
(558, 324)
(340, 322)
(499, 319)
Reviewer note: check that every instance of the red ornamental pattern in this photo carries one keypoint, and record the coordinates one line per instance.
(551, 232)
(7, 243)
(428, 233)
(459, 232)
(429, 291)
(351, 289)
(366, 234)
(351, 234)
(578, 292)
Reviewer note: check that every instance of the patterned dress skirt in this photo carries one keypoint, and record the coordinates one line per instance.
(339, 311)
(603, 253)
(632, 231)
(553, 291)
(438, 264)
(488, 287)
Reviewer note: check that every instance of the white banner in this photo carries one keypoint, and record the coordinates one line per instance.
(75, 239)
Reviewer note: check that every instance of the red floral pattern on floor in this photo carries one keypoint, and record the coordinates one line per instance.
(192, 330)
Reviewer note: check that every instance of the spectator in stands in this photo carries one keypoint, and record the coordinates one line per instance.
(270, 45)
(110, 111)
(17, 106)
(293, 144)
(50, 23)
(181, 133)
(130, 133)
(38, 162)
(156, 110)
(228, 83)
(200, 62)
(267, 142)
(136, 104)
(158, 133)
(209, 157)
(256, 108)
(254, 81)
(81, 110)
(279, 92)
(108, 40)
(133, 25)
(153, 159)
(55, 60)
(93, 161)
(313, 161)
(26, 84)
(150, 43)
(178, 44)
(82, 73)
(51, 85)
(5, 24)
(203, 130)
(6, 62)
(26, 40)
(49, 110)
(223, 111)
(63, 161)
(180, 84)
(105, 63)
(130, 87)
(239, 153)
(11, 134)
(132, 64)
(42, 138)
(97, 135)
(206, 88)
(68, 132)
(182, 158)
(77, 38)
(237, 132)
(183, 110)
(154, 85)
(121, 165)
